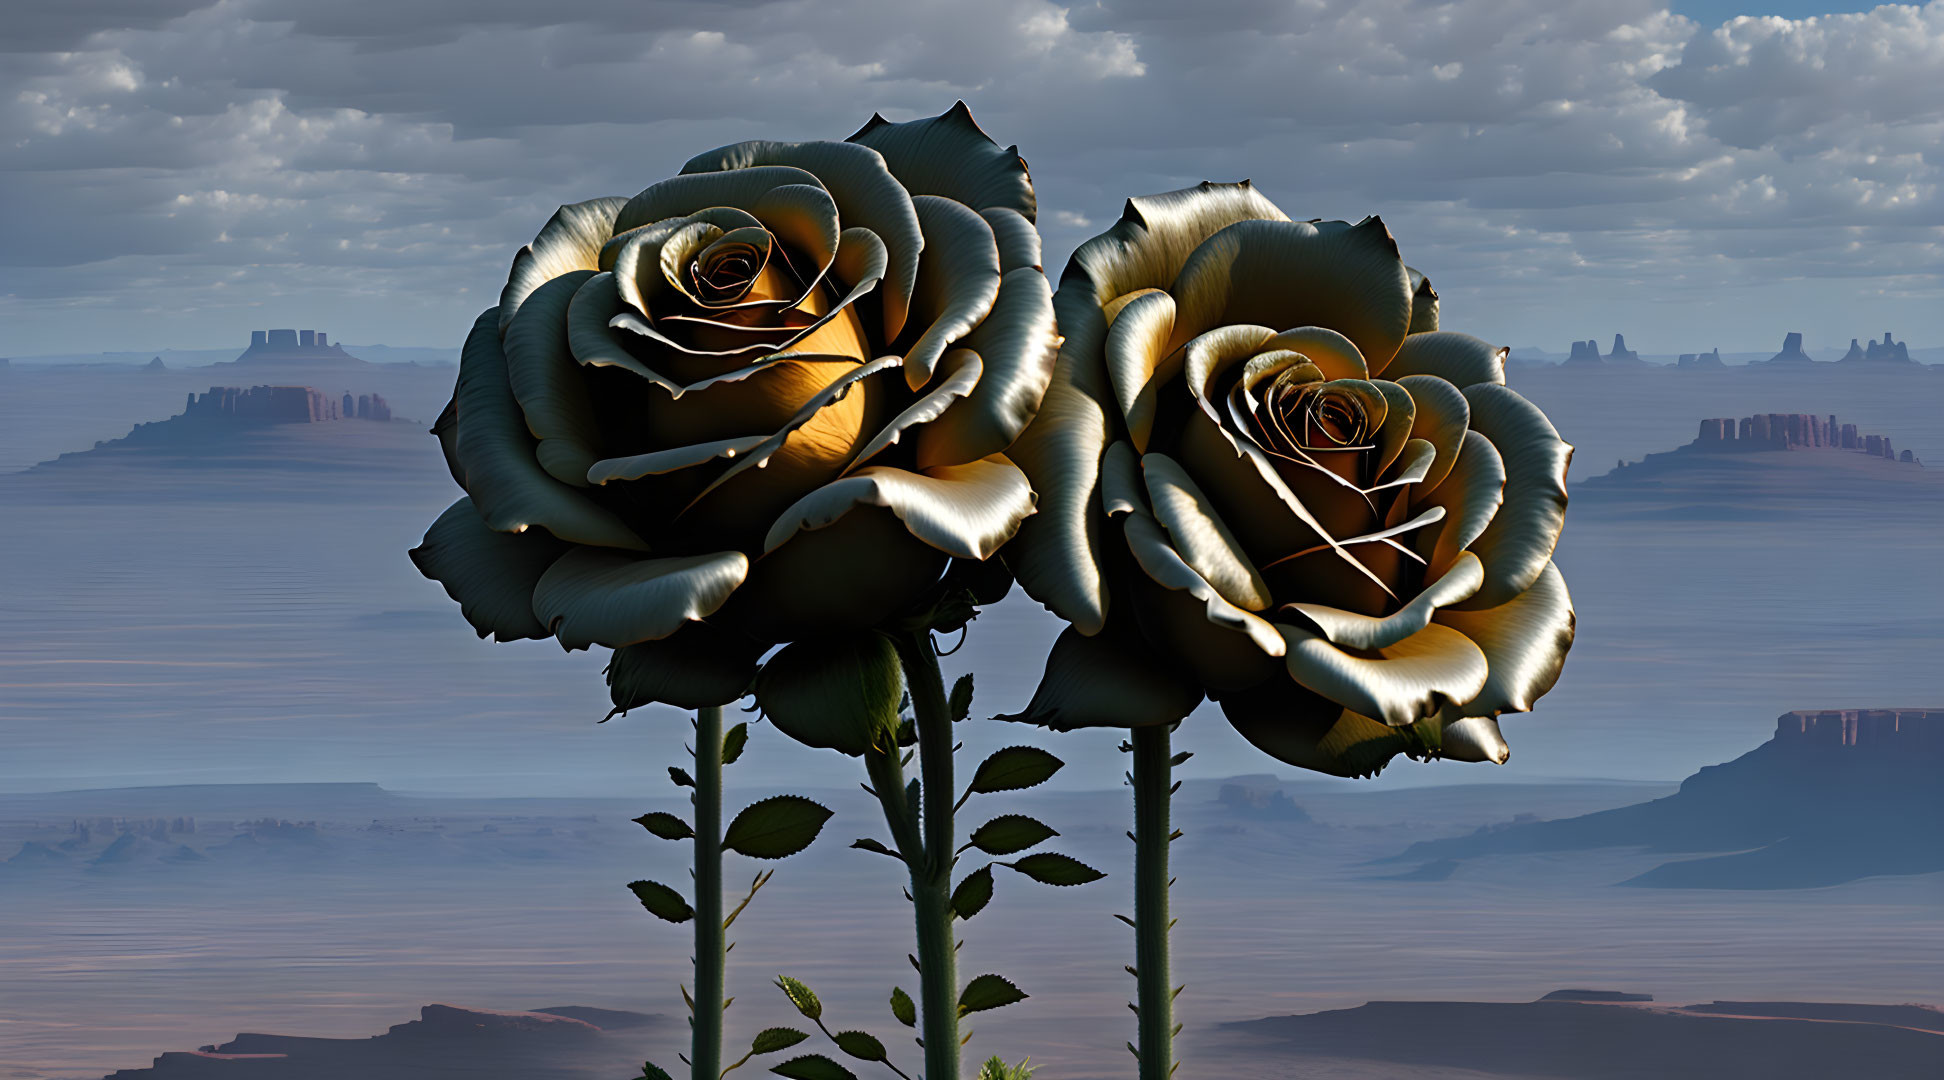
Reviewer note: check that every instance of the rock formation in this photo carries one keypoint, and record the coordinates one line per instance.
(1791, 352)
(291, 345)
(1621, 354)
(1585, 352)
(155, 365)
(1787, 431)
(1694, 361)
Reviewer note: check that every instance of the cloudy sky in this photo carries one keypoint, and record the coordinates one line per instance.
(180, 171)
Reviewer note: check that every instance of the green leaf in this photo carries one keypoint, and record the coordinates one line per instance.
(662, 901)
(838, 691)
(961, 698)
(1014, 768)
(770, 1040)
(903, 1007)
(733, 743)
(680, 777)
(666, 826)
(776, 827)
(813, 1067)
(1010, 833)
(974, 893)
(860, 1045)
(652, 1071)
(801, 996)
(988, 992)
(1051, 869)
(868, 844)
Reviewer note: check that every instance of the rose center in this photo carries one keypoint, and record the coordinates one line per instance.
(724, 271)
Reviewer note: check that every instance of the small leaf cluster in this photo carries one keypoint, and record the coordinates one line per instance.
(860, 1045)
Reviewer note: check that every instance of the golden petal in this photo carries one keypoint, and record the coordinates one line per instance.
(1470, 495)
(1524, 640)
(1198, 534)
(1306, 730)
(959, 374)
(1402, 684)
(1518, 544)
(1350, 630)
(966, 511)
(1138, 361)
(1441, 417)
(1460, 359)
(1162, 564)
(1333, 354)
(1285, 274)
(1147, 247)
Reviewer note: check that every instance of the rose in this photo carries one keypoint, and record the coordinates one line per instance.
(1266, 476)
(766, 398)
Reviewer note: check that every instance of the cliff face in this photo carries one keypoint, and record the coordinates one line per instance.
(1788, 431)
(1835, 795)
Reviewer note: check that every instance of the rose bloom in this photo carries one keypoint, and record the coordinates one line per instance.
(1266, 476)
(768, 396)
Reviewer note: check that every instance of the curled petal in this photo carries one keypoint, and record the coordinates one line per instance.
(595, 343)
(1019, 242)
(1349, 630)
(571, 240)
(446, 430)
(1113, 679)
(963, 510)
(496, 454)
(1199, 535)
(1518, 545)
(1424, 304)
(1304, 729)
(1524, 641)
(866, 193)
(1334, 355)
(853, 574)
(1057, 555)
(1402, 684)
(695, 667)
(803, 216)
(1147, 247)
(1441, 418)
(1282, 274)
(662, 462)
(1459, 359)
(591, 597)
(957, 282)
(961, 372)
(491, 574)
(1139, 362)
(1122, 488)
(1470, 496)
(1165, 566)
(1018, 345)
(950, 155)
(681, 196)
(547, 382)
(1473, 738)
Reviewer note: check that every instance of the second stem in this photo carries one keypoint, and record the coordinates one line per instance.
(931, 869)
(1153, 790)
(705, 1048)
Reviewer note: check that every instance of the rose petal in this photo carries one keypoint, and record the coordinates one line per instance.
(1470, 496)
(1019, 241)
(1460, 359)
(1147, 247)
(592, 597)
(966, 511)
(1306, 730)
(697, 190)
(496, 453)
(1166, 568)
(1349, 630)
(1405, 682)
(950, 155)
(1199, 535)
(571, 240)
(695, 667)
(491, 574)
(1441, 417)
(1284, 274)
(957, 281)
(1424, 303)
(960, 372)
(1139, 362)
(1018, 346)
(1333, 354)
(1473, 738)
(854, 574)
(1524, 641)
(661, 462)
(866, 194)
(1114, 679)
(549, 385)
(1518, 544)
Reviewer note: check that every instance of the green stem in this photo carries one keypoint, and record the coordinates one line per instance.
(1153, 788)
(705, 1048)
(931, 869)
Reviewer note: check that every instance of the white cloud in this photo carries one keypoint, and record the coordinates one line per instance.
(1551, 162)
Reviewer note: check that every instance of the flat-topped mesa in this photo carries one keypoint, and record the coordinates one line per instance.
(1901, 730)
(1789, 431)
(1585, 352)
(1706, 360)
(292, 345)
(1791, 352)
(279, 405)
